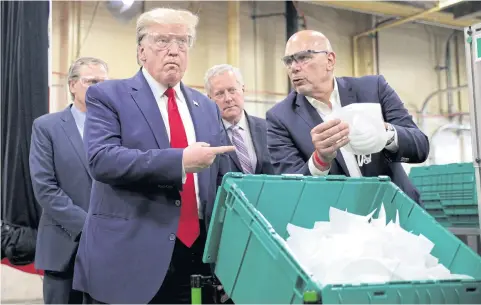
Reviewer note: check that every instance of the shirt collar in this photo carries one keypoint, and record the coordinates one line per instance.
(242, 122)
(158, 89)
(334, 99)
(78, 115)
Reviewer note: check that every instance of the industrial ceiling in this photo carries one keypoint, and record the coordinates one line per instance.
(446, 13)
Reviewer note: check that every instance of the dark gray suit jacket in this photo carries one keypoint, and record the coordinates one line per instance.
(290, 122)
(258, 131)
(62, 184)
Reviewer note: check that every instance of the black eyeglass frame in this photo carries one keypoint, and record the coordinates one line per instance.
(287, 60)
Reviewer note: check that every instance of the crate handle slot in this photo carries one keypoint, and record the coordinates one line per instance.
(300, 283)
(471, 289)
(379, 293)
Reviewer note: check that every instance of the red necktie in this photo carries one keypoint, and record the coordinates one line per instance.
(188, 230)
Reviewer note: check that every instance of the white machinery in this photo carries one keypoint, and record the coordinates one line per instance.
(473, 68)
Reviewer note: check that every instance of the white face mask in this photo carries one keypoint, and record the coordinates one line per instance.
(367, 133)
(365, 137)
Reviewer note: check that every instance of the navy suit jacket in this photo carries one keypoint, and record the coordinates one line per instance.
(61, 184)
(129, 235)
(258, 131)
(289, 124)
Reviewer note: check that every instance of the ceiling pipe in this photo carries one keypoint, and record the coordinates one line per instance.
(233, 33)
(448, 72)
(400, 21)
(399, 9)
(292, 26)
(355, 46)
(424, 107)
(454, 127)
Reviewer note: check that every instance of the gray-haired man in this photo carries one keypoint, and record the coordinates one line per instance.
(225, 86)
(62, 183)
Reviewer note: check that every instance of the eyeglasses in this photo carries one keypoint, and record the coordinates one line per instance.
(301, 57)
(163, 41)
(220, 95)
(89, 81)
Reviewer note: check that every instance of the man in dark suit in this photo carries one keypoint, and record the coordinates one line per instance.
(155, 151)
(62, 183)
(225, 86)
(301, 142)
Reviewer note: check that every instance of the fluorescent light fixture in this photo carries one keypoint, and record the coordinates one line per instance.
(126, 4)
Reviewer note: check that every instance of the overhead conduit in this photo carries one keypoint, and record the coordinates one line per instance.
(405, 12)
(393, 9)
(355, 44)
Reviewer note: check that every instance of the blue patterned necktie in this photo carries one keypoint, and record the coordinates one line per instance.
(241, 150)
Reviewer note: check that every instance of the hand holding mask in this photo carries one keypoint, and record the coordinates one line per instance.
(367, 133)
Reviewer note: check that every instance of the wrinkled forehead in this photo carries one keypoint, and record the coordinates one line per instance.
(92, 70)
(299, 44)
(175, 29)
(224, 79)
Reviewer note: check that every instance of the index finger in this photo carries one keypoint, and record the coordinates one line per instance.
(325, 126)
(221, 149)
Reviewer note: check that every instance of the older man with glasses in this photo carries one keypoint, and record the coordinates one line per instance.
(156, 151)
(62, 183)
(301, 142)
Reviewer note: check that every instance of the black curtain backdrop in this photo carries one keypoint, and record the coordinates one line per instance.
(24, 97)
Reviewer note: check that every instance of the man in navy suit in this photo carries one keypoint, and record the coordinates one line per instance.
(301, 142)
(62, 183)
(225, 86)
(155, 151)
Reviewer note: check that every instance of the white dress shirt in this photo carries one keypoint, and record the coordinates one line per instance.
(79, 118)
(246, 137)
(162, 101)
(349, 158)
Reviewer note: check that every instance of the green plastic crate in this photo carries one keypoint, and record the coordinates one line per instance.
(248, 228)
(454, 186)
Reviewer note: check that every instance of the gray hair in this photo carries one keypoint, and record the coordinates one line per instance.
(166, 16)
(74, 71)
(221, 69)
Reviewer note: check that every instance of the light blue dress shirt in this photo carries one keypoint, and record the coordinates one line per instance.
(79, 118)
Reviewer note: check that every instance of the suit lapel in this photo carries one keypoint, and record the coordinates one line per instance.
(196, 112)
(256, 134)
(145, 100)
(347, 95)
(202, 134)
(307, 112)
(70, 128)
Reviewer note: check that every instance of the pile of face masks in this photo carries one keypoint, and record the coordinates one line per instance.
(367, 133)
(353, 249)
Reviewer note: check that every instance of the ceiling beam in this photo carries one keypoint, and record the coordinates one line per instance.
(401, 21)
(400, 10)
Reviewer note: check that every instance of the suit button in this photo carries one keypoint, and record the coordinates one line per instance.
(177, 203)
(172, 237)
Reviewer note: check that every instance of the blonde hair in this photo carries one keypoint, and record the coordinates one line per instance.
(166, 16)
